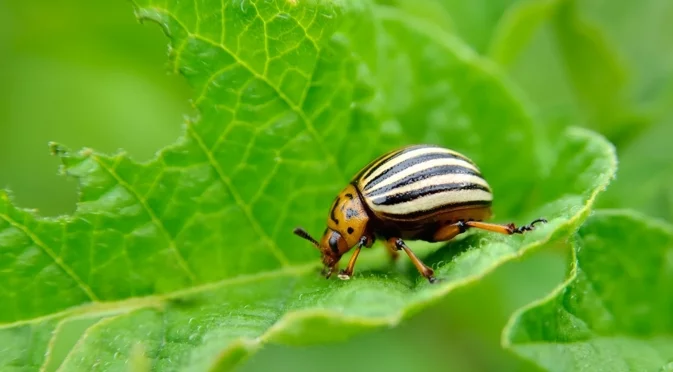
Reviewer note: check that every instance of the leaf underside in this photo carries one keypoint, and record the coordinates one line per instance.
(188, 260)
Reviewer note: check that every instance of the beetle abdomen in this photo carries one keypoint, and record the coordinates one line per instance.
(418, 182)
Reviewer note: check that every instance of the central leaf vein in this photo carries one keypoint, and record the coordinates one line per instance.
(155, 219)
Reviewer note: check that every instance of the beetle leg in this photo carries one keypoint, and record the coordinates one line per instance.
(448, 232)
(327, 271)
(507, 229)
(427, 272)
(348, 272)
(392, 250)
(370, 241)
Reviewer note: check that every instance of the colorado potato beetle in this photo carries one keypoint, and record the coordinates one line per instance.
(418, 192)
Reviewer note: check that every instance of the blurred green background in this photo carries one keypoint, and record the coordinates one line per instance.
(87, 74)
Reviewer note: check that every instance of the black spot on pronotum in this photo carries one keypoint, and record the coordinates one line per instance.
(350, 230)
(350, 212)
(349, 196)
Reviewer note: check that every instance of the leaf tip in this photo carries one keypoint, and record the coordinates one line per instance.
(57, 149)
(86, 152)
(155, 15)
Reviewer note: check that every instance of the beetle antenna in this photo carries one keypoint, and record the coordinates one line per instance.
(303, 234)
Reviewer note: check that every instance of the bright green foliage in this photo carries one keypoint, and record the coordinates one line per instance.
(189, 259)
(595, 71)
(607, 66)
(476, 21)
(587, 78)
(648, 162)
(614, 312)
(517, 26)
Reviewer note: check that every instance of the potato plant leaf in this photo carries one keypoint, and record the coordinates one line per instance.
(188, 261)
(517, 27)
(648, 161)
(614, 311)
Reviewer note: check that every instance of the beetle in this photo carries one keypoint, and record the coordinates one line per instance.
(417, 192)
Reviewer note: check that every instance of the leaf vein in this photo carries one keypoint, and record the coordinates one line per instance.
(307, 122)
(155, 219)
(286, 208)
(178, 55)
(50, 346)
(130, 304)
(273, 247)
(211, 78)
(197, 15)
(81, 339)
(57, 260)
(267, 59)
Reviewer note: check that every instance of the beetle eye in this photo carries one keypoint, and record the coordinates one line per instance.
(334, 242)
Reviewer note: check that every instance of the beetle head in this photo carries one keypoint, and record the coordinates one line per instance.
(332, 246)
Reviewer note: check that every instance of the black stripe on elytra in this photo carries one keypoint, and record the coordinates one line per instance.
(421, 214)
(428, 190)
(406, 164)
(366, 172)
(456, 154)
(423, 174)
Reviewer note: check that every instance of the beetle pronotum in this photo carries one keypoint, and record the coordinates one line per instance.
(418, 192)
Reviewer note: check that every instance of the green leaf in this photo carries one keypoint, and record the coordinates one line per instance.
(648, 163)
(640, 30)
(606, 67)
(598, 75)
(189, 261)
(517, 27)
(614, 311)
(575, 70)
(435, 11)
(476, 21)
(640, 33)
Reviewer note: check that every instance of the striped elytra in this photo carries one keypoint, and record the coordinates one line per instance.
(418, 183)
(418, 192)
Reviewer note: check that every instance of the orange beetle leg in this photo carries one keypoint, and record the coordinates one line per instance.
(507, 229)
(427, 272)
(392, 250)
